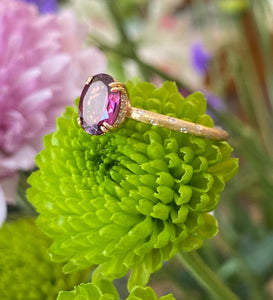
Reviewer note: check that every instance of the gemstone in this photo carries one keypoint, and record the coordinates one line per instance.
(98, 104)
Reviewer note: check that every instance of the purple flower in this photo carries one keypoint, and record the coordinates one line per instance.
(214, 101)
(200, 58)
(45, 6)
(42, 68)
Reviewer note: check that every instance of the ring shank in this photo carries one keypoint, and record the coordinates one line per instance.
(183, 126)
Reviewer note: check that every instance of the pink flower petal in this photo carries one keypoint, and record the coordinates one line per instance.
(53, 66)
(36, 100)
(23, 159)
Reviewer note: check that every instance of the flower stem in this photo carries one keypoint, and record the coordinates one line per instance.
(206, 277)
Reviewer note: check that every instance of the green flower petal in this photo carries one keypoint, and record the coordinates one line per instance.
(146, 293)
(105, 290)
(133, 198)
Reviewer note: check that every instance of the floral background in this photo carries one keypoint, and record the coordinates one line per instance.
(222, 48)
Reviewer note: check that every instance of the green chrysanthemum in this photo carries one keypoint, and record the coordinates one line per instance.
(130, 199)
(26, 271)
(105, 290)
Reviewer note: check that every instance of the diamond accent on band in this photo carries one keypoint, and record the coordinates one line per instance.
(141, 112)
(198, 126)
(138, 114)
(153, 122)
(135, 115)
(183, 130)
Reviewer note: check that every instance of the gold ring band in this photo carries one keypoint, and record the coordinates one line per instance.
(183, 126)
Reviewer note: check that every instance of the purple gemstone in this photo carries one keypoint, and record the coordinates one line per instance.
(98, 104)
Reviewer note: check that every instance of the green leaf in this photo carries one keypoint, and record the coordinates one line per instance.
(165, 179)
(65, 296)
(148, 180)
(208, 226)
(154, 260)
(155, 151)
(139, 277)
(165, 235)
(101, 290)
(186, 154)
(164, 194)
(146, 293)
(161, 211)
(129, 205)
(108, 287)
(198, 100)
(125, 219)
(205, 120)
(185, 193)
(145, 207)
(191, 243)
(112, 231)
(167, 297)
(226, 168)
(142, 229)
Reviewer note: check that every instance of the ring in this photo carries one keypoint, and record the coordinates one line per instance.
(104, 105)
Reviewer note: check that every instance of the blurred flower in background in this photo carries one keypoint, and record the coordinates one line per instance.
(200, 58)
(43, 65)
(26, 271)
(161, 36)
(45, 6)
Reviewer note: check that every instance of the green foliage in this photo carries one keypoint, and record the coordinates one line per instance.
(147, 293)
(105, 290)
(26, 271)
(102, 290)
(233, 6)
(130, 199)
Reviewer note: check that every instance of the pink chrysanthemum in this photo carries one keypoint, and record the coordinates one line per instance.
(42, 67)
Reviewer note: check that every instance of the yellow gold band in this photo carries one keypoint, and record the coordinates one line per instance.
(175, 124)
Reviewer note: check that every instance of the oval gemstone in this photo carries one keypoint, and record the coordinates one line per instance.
(98, 104)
